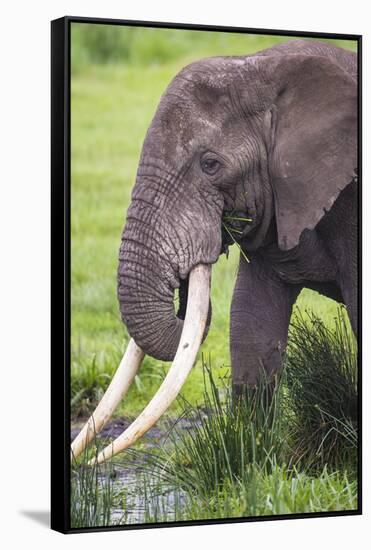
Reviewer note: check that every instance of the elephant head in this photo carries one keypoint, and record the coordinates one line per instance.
(271, 136)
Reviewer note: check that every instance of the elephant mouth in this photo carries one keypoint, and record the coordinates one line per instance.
(182, 302)
(235, 227)
(182, 297)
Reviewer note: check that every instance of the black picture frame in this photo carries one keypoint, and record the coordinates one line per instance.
(61, 262)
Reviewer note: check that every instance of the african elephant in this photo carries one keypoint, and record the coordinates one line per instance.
(270, 137)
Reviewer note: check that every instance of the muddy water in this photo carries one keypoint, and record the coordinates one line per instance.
(143, 496)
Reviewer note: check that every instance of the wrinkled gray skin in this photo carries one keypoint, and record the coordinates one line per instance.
(273, 137)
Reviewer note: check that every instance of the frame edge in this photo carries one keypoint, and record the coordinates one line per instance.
(60, 492)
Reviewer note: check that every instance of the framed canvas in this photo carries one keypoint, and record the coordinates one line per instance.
(198, 165)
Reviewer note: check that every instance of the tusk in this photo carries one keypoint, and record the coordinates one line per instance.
(190, 341)
(117, 389)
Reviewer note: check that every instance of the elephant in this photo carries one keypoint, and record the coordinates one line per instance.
(269, 142)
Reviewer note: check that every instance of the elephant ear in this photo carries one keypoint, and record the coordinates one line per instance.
(312, 130)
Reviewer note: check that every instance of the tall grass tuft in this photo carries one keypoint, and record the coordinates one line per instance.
(224, 438)
(321, 374)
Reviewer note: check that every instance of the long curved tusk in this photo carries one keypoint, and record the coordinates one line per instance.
(117, 389)
(190, 341)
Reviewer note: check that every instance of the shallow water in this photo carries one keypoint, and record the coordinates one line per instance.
(145, 499)
(140, 496)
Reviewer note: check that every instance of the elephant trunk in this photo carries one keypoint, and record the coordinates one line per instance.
(147, 280)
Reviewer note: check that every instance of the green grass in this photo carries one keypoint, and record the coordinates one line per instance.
(103, 44)
(240, 459)
(262, 494)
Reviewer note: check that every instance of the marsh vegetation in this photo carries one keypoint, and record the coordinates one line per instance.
(294, 453)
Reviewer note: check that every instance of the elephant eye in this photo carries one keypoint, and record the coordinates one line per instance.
(210, 166)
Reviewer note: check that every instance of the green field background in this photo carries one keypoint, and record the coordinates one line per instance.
(118, 76)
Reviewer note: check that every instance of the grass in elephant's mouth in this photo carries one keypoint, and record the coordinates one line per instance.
(236, 242)
(232, 225)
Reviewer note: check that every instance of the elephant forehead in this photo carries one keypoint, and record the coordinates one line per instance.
(214, 71)
(185, 126)
(199, 105)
